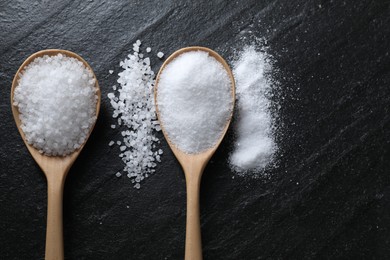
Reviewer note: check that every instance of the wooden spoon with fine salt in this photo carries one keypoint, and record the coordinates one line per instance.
(194, 164)
(55, 168)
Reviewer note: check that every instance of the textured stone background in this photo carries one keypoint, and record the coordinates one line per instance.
(329, 197)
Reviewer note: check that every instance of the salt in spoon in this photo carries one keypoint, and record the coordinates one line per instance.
(194, 164)
(55, 168)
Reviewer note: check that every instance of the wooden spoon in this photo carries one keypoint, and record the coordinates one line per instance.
(194, 164)
(54, 167)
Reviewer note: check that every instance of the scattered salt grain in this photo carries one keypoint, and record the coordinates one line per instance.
(111, 143)
(110, 71)
(118, 174)
(195, 101)
(56, 98)
(133, 104)
(160, 54)
(113, 126)
(147, 61)
(255, 145)
(148, 49)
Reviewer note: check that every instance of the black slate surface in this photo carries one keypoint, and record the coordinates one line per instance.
(328, 198)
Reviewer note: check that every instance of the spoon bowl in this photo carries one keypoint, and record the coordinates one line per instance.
(194, 164)
(55, 168)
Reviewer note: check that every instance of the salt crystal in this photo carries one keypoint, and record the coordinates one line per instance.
(118, 174)
(111, 143)
(110, 71)
(113, 126)
(148, 49)
(194, 98)
(160, 54)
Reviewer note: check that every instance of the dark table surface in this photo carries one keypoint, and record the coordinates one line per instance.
(329, 196)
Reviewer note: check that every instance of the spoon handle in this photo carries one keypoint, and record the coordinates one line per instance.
(193, 249)
(54, 229)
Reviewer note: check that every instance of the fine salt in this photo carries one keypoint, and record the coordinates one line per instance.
(254, 146)
(134, 110)
(56, 98)
(194, 98)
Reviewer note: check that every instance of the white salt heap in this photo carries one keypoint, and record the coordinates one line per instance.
(133, 104)
(56, 98)
(255, 146)
(194, 99)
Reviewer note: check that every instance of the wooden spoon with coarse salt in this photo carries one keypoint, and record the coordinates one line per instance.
(55, 168)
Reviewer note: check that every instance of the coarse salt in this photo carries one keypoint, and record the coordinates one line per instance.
(56, 98)
(160, 54)
(133, 104)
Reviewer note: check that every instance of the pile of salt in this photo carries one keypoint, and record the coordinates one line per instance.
(254, 145)
(134, 108)
(194, 100)
(56, 98)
